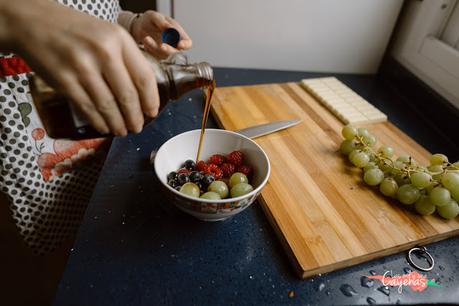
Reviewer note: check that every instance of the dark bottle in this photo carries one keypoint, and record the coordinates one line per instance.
(174, 78)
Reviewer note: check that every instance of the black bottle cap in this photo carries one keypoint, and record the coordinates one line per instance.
(171, 37)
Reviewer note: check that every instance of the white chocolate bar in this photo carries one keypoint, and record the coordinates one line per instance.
(342, 101)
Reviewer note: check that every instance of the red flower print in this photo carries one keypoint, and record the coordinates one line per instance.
(38, 134)
(66, 154)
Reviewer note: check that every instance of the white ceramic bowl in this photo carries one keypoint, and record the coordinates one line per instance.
(176, 150)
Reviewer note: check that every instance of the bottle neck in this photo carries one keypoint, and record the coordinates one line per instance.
(181, 79)
(205, 72)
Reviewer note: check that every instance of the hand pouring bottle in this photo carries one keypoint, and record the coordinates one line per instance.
(61, 119)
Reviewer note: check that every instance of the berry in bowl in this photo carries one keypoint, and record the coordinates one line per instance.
(229, 176)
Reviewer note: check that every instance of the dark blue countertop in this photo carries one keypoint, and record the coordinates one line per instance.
(134, 248)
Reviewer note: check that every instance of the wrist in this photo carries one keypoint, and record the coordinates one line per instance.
(128, 21)
(135, 31)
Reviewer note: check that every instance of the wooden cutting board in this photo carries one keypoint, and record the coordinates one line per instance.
(325, 216)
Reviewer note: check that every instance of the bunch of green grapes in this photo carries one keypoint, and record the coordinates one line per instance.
(429, 189)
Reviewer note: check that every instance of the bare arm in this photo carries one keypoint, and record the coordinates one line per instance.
(97, 64)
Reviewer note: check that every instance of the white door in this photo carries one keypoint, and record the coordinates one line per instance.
(428, 45)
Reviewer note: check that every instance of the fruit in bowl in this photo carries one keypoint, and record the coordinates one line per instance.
(221, 184)
(218, 176)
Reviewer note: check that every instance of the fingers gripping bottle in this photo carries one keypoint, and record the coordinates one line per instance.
(174, 77)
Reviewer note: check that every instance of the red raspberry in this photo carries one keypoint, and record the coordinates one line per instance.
(217, 159)
(201, 166)
(211, 168)
(183, 170)
(228, 169)
(218, 174)
(247, 170)
(235, 158)
(215, 171)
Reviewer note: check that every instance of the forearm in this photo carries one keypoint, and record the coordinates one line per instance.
(17, 18)
(7, 15)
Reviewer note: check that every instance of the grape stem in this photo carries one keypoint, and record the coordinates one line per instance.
(451, 166)
(407, 171)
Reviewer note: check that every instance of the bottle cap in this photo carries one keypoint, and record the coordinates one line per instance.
(171, 37)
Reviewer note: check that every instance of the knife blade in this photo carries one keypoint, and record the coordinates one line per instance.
(267, 128)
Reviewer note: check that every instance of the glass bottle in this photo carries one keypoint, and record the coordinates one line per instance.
(61, 119)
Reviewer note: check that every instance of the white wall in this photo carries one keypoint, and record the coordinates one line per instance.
(327, 35)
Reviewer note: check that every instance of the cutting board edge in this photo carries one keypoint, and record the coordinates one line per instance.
(283, 240)
(303, 273)
(371, 256)
(216, 118)
(259, 84)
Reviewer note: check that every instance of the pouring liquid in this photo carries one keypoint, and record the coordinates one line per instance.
(209, 91)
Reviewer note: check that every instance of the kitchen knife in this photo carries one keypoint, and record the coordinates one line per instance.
(267, 128)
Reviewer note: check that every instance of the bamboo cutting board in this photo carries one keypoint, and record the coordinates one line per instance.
(324, 214)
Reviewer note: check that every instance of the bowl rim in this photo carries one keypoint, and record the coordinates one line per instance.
(221, 201)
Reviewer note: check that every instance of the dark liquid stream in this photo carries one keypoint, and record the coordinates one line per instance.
(209, 91)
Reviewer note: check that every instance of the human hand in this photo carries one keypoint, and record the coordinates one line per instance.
(96, 63)
(147, 29)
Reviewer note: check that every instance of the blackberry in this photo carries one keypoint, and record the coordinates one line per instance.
(189, 164)
(207, 180)
(173, 183)
(196, 176)
(183, 178)
(201, 187)
(172, 176)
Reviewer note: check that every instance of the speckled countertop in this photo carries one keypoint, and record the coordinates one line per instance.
(134, 248)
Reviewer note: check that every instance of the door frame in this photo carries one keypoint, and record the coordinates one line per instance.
(418, 49)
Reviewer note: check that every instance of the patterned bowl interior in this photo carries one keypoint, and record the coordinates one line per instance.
(176, 150)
